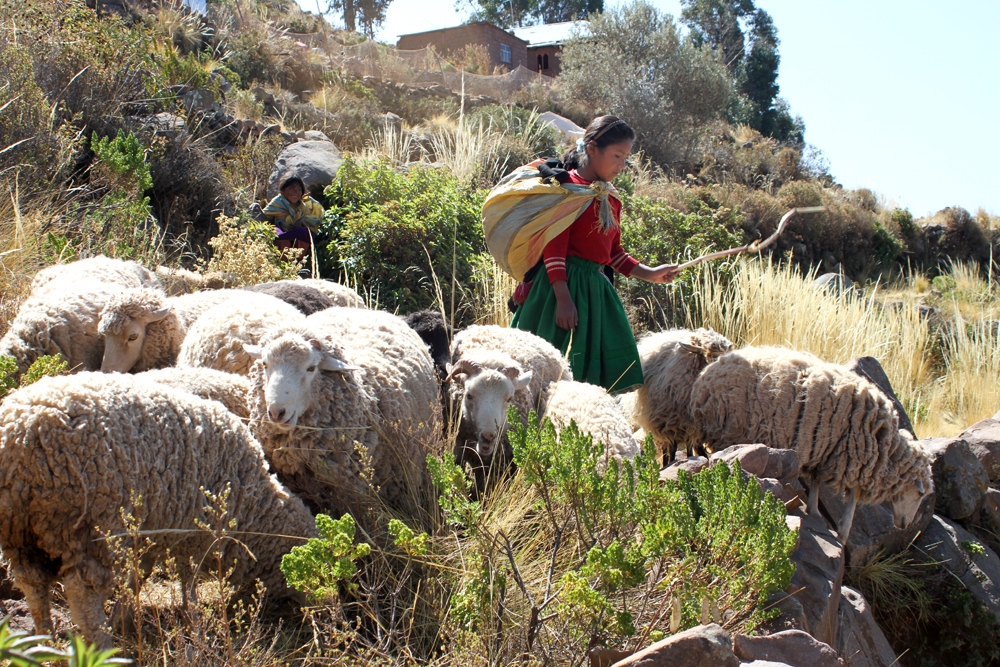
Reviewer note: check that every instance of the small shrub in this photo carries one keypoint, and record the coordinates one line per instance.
(124, 156)
(324, 564)
(47, 365)
(245, 248)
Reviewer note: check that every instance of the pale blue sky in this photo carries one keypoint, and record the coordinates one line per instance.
(900, 95)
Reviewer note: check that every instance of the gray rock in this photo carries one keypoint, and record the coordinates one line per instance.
(311, 135)
(950, 544)
(861, 642)
(835, 283)
(166, 124)
(870, 369)
(996, 415)
(605, 657)
(315, 162)
(984, 439)
(783, 492)
(819, 572)
(691, 464)
(960, 480)
(702, 646)
(198, 101)
(387, 121)
(990, 513)
(792, 647)
(761, 460)
(791, 615)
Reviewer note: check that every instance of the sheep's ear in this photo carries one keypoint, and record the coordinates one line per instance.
(332, 363)
(694, 348)
(920, 487)
(522, 381)
(255, 351)
(158, 315)
(316, 343)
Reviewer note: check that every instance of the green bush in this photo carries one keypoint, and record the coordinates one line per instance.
(47, 365)
(124, 156)
(382, 227)
(320, 566)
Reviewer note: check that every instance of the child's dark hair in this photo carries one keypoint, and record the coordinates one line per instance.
(602, 132)
(294, 180)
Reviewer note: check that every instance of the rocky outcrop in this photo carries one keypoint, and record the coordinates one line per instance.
(690, 465)
(960, 480)
(315, 162)
(870, 369)
(792, 647)
(702, 646)
(860, 641)
(958, 550)
(819, 573)
(984, 440)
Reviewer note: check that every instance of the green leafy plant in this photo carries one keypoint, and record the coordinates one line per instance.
(41, 367)
(21, 650)
(323, 564)
(82, 654)
(973, 548)
(124, 156)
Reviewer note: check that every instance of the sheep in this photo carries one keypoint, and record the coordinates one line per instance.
(493, 368)
(102, 269)
(144, 329)
(74, 450)
(60, 322)
(217, 338)
(227, 388)
(595, 412)
(842, 426)
(671, 360)
(176, 281)
(307, 299)
(341, 295)
(436, 334)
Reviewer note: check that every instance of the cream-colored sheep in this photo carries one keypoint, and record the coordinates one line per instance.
(843, 428)
(227, 388)
(341, 295)
(217, 338)
(144, 328)
(73, 451)
(595, 412)
(671, 361)
(127, 274)
(177, 281)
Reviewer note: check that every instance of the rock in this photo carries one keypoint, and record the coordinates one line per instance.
(791, 615)
(166, 124)
(873, 528)
(570, 130)
(691, 465)
(20, 617)
(870, 369)
(835, 283)
(819, 572)
(761, 460)
(605, 657)
(960, 480)
(765, 663)
(387, 121)
(996, 415)
(702, 646)
(783, 492)
(984, 439)
(315, 162)
(956, 549)
(860, 641)
(198, 101)
(990, 513)
(311, 135)
(792, 647)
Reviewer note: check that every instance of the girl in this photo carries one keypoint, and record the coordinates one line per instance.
(572, 304)
(294, 214)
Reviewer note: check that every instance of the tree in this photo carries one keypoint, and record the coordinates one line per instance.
(368, 14)
(513, 13)
(636, 64)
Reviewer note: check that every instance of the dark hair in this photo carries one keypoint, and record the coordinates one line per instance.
(602, 132)
(293, 180)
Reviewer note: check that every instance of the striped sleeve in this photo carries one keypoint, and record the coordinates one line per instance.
(555, 256)
(621, 261)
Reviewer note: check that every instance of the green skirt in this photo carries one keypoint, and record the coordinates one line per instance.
(603, 348)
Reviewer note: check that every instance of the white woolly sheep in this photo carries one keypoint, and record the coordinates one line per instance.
(378, 389)
(176, 281)
(842, 426)
(74, 449)
(144, 328)
(60, 322)
(227, 388)
(341, 295)
(217, 338)
(671, 361)
(595, 413)
(103, 269)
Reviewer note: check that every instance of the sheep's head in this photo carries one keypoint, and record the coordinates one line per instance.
(123, 326)
(489, 389)
(917, 480)
(906, 504)
(707, 344)
(291, 362)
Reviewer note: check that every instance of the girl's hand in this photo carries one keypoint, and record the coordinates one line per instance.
(664, 273)
(566, 315)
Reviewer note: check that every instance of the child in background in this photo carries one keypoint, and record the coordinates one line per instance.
(572, 304)
(295, 214)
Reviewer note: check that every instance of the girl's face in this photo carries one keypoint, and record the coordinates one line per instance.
(293, 193)
(609, 161)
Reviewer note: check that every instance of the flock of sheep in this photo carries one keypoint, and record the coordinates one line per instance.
(175, 393)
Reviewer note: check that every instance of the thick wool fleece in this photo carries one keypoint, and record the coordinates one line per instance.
(227, 388)
(341, 295)
(307, 299)
(844, 429)
(595, 413)
(181, 281)
(216, 339)
(126, 274)
(72, 451)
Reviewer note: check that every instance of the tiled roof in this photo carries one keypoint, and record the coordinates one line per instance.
(550, 34)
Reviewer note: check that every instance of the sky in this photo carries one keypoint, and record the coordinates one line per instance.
(901, 96)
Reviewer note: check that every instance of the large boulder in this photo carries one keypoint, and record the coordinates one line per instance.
(702, 646)
(835, 283)
(691, 465)
(761, 460)
(960, 480)
(792, 647)
(958, 550)
(315, 162)
(873, 529)
(984, 439)
(819, 573)
(860, 641)
(870, 369)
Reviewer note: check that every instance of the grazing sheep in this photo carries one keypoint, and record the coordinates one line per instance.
(671, 360)
(181, 281)
(144, 329)
(217, 338)
(307, 299)
(60, 322)
(436, 334)
(595, 412)
(493, 368)
(102, 269)
(74, 449)
(843, 428)
(341, 295)
(227, 388)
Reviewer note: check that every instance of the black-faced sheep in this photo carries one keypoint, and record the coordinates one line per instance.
(74, 449)
(306, 299)
(671, 361)
(843, 428)
(144, 328)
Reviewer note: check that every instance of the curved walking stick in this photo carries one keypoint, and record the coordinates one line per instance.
(756, 246)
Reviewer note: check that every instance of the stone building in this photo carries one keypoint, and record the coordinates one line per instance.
(545, 44)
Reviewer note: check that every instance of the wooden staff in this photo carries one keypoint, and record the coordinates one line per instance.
(758, 245)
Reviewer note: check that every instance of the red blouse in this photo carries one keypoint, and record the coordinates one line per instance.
(585, 239)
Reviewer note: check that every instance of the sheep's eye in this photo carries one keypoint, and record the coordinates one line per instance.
(311, 369)
(264, 363)
(132, 337)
